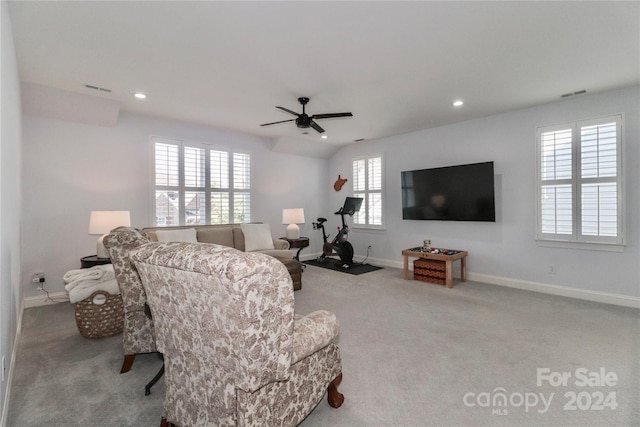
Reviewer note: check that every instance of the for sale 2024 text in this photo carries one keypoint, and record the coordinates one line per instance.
(591, 398)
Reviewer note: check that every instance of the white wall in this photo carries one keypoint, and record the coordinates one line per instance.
(10, 198)
(71, 169)
(505, 250)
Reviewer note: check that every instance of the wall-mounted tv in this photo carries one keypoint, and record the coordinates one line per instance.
(452, 193)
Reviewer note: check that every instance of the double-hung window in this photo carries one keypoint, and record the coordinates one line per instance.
(368, 182)
(580, 194)
(198, 184)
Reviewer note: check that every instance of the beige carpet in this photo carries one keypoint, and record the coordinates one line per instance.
(414, 354)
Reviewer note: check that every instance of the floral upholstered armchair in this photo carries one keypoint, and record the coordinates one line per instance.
(138, 332)
(235, 353)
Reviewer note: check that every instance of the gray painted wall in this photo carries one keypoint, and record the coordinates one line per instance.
(71, 169)
(10, 198)
(505, 250)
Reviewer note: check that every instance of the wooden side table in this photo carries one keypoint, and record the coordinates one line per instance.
(93, 260)
(448, 257)
(299, 243)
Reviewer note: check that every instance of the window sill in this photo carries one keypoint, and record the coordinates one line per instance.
(606, 247)
(367, 229)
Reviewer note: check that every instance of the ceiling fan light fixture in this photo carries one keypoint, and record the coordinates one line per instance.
(305, 121)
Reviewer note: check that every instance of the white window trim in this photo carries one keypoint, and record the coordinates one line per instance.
(575, 241)
(371, 227)
(182, 188)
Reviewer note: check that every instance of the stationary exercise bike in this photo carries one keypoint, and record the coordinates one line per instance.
(340, 245)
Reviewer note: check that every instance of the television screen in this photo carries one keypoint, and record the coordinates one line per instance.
(452, 193)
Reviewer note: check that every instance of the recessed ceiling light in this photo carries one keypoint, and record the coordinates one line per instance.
(458, 103)
(324, 137)
(140, 95)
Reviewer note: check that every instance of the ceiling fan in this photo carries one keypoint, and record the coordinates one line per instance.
(305, 121)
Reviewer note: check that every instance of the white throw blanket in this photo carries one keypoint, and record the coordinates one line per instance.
(83, 282)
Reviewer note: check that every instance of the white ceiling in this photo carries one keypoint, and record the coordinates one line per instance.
(397, 66)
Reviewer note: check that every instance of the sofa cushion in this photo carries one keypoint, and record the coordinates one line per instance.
(257, 237)
(218, 235)
(238, 239)
(187, 235)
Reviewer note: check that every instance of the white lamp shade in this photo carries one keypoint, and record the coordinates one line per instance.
(102, 222)
(292, 217)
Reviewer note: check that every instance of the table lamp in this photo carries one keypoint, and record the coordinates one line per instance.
(293, 217)
(102, 222)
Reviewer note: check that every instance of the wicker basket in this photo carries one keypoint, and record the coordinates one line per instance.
(432, 271)
(100, 315)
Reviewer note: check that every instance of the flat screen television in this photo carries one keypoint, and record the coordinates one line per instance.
(452, 193)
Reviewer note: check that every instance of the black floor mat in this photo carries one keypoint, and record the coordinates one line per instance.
(332, 264)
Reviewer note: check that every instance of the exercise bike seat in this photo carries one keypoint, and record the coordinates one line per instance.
(321, 220)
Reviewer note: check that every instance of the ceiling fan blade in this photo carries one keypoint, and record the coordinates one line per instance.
(316, 127)
(275, 123)
(288, 111)
(331, 115)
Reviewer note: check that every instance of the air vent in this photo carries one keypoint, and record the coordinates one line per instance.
(566, 95)
(103, 89)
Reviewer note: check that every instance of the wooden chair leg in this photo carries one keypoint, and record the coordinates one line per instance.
(334, 397)
(127, 362)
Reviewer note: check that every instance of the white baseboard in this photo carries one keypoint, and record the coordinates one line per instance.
(545, 288)
(565, 291)
(40, 300)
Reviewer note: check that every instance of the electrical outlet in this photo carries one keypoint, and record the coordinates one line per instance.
(552, 269)
(38, 278)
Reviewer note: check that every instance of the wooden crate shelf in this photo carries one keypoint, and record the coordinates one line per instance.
(432, 271)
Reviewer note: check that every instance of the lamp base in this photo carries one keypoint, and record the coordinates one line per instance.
(293, 231)
(101, 251)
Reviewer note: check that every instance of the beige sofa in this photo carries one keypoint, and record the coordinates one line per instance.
(231, 235)
(227, 235)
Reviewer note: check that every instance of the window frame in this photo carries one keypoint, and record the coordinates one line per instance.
(576, 239)
(207, 188)
(367, 192)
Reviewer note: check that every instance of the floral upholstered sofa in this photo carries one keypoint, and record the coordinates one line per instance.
(138, 330)
(235, 353)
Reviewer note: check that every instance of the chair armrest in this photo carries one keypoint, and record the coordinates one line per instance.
(280, 244)
(312, 333)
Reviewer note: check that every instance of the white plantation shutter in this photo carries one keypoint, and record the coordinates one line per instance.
(195, 184)
(580, 181)
(367, 184)
(599, 183)
(167, 182)
(556, 192)
(241, 186)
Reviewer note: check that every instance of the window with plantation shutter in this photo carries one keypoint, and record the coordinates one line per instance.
(367, 184)
(196, 184)
(580, 182)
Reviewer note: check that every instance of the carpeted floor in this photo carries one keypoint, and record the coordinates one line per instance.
(414, 354)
